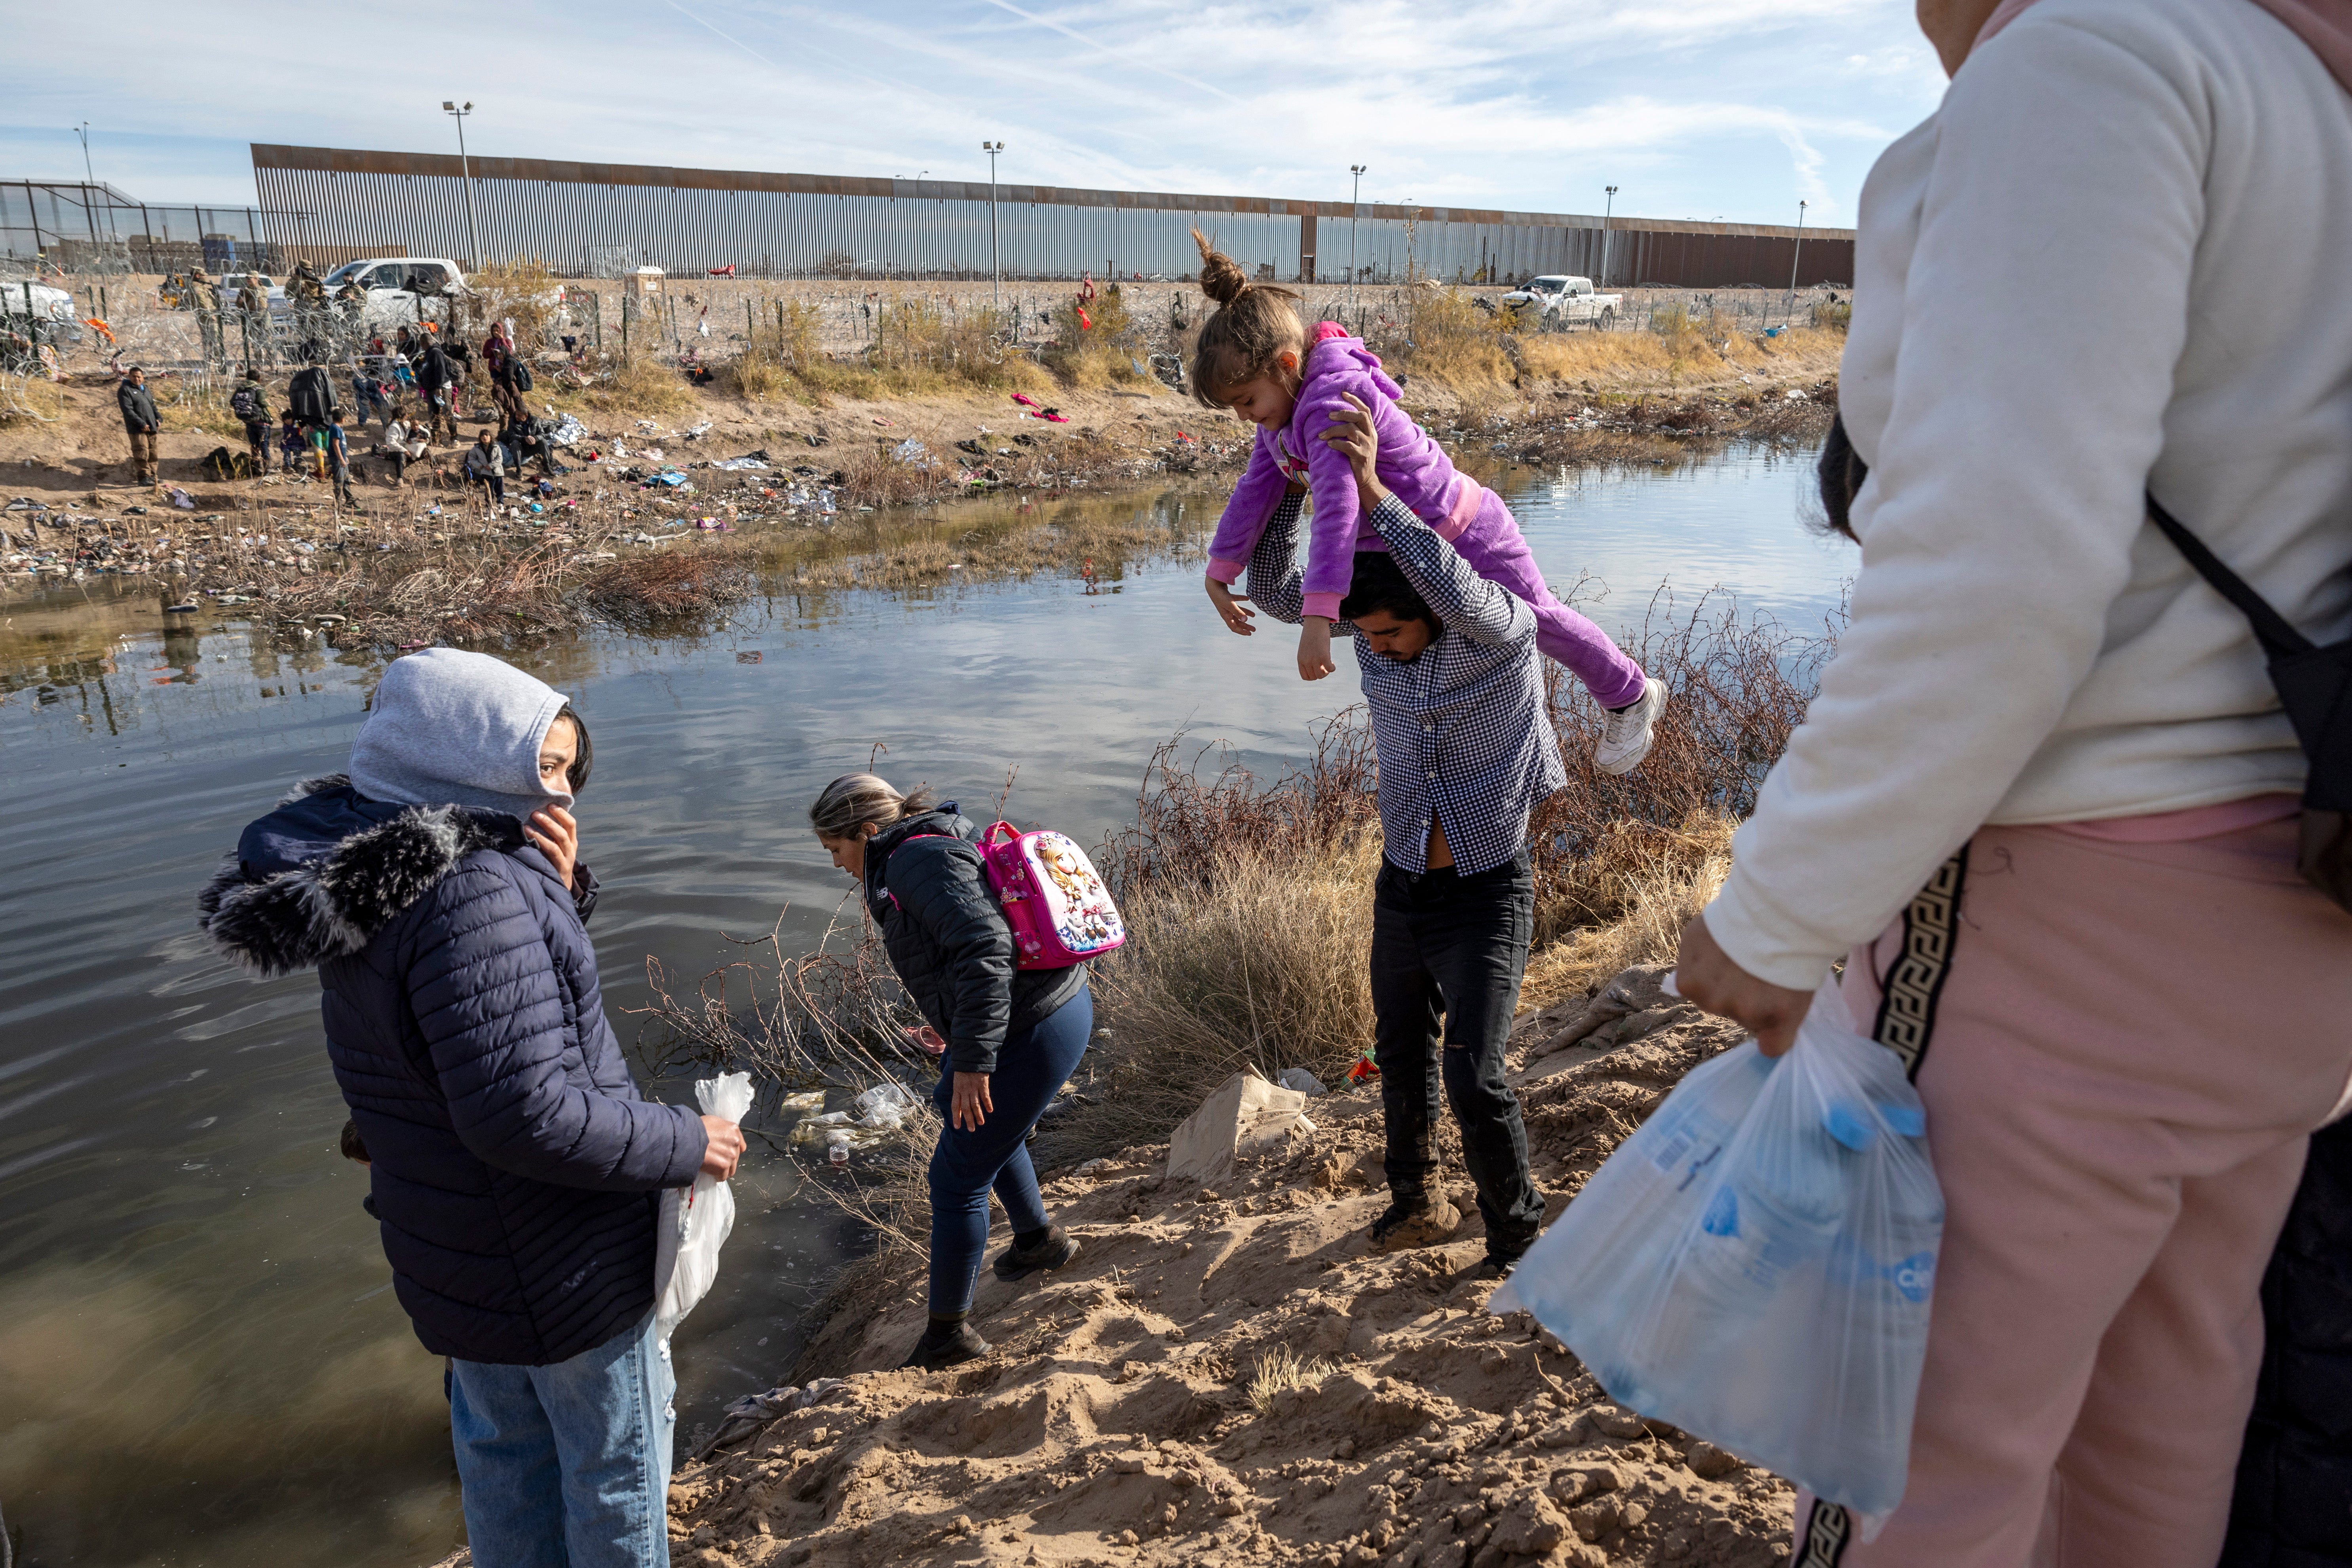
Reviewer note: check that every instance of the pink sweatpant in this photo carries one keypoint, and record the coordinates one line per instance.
(2133, 1041)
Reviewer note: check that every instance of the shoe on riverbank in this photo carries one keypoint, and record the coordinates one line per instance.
(1018, 1262)
(1422, 1222)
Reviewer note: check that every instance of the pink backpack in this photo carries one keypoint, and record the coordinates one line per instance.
(1056, 903)
(1055, 900)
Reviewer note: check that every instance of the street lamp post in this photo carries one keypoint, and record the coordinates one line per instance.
(1793, 254)
(1355, 216)
(89, 182)
(995, 255)
(1608, 208)
(466, 174)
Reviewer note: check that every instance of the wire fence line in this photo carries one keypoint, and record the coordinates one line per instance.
(699, 325)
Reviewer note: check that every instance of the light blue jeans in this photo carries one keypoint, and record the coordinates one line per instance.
(568, 1466)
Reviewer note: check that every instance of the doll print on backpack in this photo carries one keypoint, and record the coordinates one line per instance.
(1084, 916)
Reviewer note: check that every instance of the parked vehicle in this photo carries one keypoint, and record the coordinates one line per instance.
(1561, 301)
(399, 290)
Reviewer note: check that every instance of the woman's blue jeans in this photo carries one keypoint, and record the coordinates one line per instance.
(1030, 1070)
(567, 1466)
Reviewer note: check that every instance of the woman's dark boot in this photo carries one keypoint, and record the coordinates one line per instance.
(945, 1342)
(1034, 1250)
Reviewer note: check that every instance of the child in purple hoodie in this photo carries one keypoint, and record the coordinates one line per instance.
(1256, 358)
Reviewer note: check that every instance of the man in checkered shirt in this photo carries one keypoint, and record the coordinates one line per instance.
(1466, 749)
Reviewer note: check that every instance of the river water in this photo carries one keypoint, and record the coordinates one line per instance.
(200, 1358)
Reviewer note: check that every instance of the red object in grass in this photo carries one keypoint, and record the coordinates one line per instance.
(1365, 1068)
(1084, 320)
(726, 271)
(1026, 401)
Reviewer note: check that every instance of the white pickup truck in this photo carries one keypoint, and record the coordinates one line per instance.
(392, 286)
(1561, 301)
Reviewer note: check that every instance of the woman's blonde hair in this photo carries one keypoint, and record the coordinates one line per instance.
(854, 799)
(1254, 324)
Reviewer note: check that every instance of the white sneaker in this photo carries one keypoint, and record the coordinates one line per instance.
(1626, 738)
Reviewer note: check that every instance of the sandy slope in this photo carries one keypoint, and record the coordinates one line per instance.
(1113, 1423)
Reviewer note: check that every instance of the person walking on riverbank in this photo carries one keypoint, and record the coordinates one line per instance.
(140, 425)
(514, 1170)
(2104, 271)
(1451, 670)
(1012, 1036)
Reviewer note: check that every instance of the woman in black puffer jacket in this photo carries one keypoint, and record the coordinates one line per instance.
(1013, 1037)
(514, 1169)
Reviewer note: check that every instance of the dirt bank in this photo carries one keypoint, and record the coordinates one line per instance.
(419, 561)
(1226, 1375)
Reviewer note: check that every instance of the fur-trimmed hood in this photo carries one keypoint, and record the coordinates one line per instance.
(322, 874)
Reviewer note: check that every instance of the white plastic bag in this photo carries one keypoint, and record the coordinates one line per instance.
(695, 1219)
(1754, 1265)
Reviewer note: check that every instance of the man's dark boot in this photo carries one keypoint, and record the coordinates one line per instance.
(1034, 1250)
(945, 1342)
(1420, 1219)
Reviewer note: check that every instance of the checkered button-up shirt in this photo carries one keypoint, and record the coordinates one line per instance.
(1461, 732)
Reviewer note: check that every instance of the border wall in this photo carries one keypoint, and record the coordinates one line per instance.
(602, 220)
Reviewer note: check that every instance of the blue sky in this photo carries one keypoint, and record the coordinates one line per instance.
(1696, 109)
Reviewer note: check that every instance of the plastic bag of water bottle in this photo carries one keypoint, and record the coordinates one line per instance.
(1754, 1264)
(695, 1220)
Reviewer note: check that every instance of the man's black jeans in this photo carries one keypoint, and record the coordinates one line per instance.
(1454, 946)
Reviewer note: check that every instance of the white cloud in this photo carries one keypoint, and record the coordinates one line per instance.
(1697, 109)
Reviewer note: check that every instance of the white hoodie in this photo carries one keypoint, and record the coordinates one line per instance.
(2113, 260)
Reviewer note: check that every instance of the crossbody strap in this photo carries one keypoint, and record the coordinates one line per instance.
(2278, 639)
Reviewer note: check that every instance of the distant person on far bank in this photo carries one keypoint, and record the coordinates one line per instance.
(251, 403)
(513, 1169)
(1012, 1037)
(485, 466)
(1451, 669)
(140, 425)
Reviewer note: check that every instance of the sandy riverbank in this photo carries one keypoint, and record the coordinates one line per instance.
(1226, 1375)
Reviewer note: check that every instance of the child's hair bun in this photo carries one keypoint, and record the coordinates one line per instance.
(1221, 278)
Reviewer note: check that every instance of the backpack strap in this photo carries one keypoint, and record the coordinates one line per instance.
(2279, 639)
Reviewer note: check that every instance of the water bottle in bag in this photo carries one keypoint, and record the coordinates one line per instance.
(1755, 1264)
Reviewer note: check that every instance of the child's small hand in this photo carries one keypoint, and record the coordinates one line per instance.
(1315, 649)
(1234, 608)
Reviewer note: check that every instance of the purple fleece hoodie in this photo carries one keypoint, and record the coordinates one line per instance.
(1410, 465)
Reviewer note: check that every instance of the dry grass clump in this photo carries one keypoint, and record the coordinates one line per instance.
(669, 592)
(1451, 340)
(1113, 351)
(1281, 1372)
(1656, 881)
(1250, 906)
(638, 384)
(194, 405)
(1252, 962)
(29, 399)
(522, 291)
(1573, 355)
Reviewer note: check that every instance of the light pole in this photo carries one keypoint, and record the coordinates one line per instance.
(466, 174)
(1608, 207)
(1793, 254)
(995, 257)
(89, 182)
(1355, 216)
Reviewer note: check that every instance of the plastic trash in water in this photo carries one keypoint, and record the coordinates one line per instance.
(1755, 1264)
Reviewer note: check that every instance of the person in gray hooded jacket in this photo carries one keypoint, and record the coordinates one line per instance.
(514, 1170)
